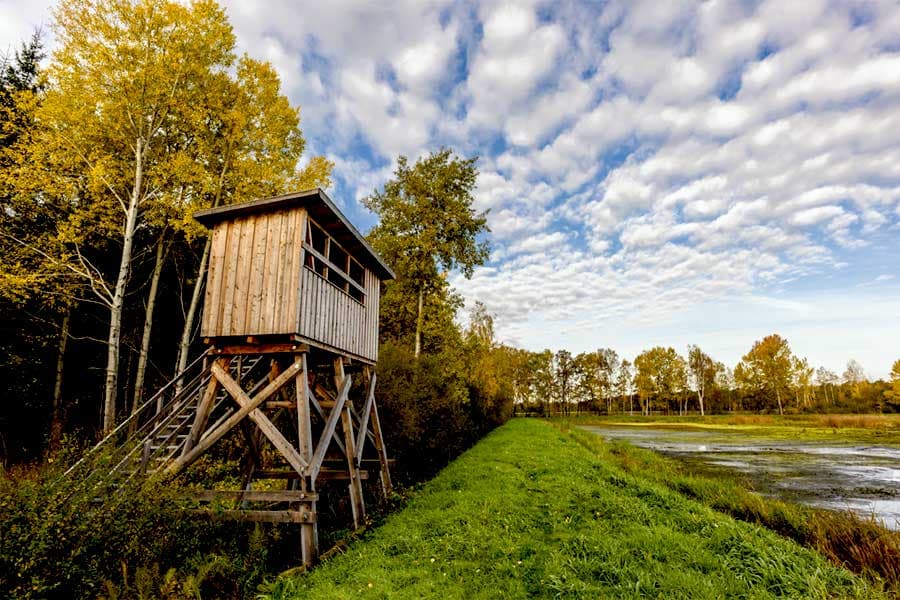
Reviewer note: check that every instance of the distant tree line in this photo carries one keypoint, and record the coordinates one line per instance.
(769, 378)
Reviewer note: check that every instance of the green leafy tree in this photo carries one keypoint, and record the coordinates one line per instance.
(802, 378)
(427, 227)
(598, 371)
(892, 395)
(24, 221)
(540, 368)
(34, 292)
(565, 378)
(625, 383)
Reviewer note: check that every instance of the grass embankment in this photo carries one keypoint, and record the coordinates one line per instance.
(874, 429)
(860, 544)
(533, 511)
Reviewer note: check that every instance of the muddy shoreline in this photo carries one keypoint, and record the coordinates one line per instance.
(843, 476)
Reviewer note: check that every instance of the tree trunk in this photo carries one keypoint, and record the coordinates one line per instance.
(57, 418)
(118, 299)
(700, 398)
(778, 397)
(420, 317)
(161, 248)
(187, 333)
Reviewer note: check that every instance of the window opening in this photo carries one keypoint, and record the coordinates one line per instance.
(326, 258)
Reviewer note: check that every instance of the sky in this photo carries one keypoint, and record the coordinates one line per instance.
(656, 173)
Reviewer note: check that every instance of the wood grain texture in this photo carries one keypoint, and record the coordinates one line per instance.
(258, 284)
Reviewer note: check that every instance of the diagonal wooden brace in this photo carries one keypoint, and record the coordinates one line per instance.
(262, 421)
(364, 420)
(212, 436)
(202, 414)
(318, 407)
(328, 431)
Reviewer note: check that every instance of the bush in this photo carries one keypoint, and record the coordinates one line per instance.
(424, 407)
(57, 540)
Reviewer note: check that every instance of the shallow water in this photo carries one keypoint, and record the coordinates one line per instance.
(863, 479)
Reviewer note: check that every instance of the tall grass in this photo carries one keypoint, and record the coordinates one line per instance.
(856, 421)
(860, 544)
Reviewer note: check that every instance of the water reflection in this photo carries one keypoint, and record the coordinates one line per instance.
(864, 479)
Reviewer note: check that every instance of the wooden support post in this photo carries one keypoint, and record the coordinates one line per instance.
(309, 531)
(364, 418)
(355, 487)
(386, 485)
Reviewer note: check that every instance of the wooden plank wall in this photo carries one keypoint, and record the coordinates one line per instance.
(373, 297)
(253, 285)
(330, 316)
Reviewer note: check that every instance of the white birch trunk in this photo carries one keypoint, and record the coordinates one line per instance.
(184, 345)
(118, 299)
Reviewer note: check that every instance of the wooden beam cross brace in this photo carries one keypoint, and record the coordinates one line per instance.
(328, 431)
(262, 421)
(247, 407)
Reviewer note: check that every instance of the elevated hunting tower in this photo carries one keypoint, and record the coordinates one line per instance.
(290, 322)
(292, 280)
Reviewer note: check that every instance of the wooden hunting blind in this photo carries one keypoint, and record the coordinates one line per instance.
(290, 321)
(292, 265)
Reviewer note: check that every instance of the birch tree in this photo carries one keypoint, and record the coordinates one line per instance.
(119, 74)
(767, 368)
(703, 371)
(624, 383)
(660, 373)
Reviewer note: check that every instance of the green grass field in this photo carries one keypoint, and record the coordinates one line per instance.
(531, 511)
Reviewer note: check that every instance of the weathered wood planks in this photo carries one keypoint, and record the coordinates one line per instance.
(264, 280)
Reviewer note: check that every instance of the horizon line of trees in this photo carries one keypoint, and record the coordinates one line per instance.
(768, 378)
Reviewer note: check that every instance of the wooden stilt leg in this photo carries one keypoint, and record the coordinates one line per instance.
(355, 487)
(309, 532)
(386, 485)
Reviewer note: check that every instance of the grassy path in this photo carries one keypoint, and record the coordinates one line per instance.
(529, 512)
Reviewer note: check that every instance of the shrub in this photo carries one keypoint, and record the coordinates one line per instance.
(58, 540)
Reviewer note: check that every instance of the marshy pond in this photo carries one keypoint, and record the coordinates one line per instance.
(861, 478)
